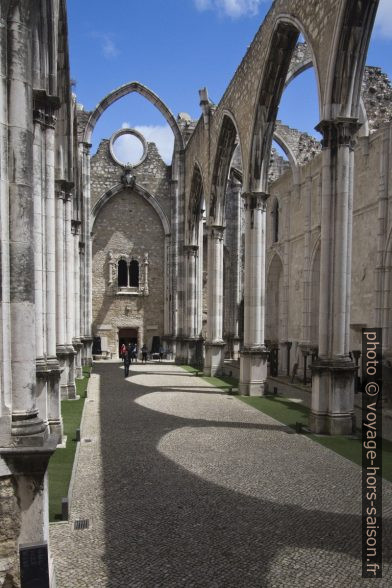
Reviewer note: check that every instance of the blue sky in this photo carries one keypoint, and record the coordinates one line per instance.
(175, 47)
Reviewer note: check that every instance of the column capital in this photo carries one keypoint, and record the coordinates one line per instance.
(339, 132)
(216, 231)
(85, 147)
(75, 227)
(64, 185)
(44, 107)
(255, 200)
(191, 249)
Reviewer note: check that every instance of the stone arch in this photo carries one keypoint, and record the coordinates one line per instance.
(196, 199)
(305, 62)
(148, 94)
(273, 79)
(290, 155)
(349, 50)
(227, 141)
(141, 192)
(274, 298)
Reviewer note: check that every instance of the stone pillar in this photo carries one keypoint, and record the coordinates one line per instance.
(334, 372)
(253, 366)
(38, 180)
(5, 316)
(60, 289)
(51, 104)
(86, 319)
(26, 421)
(77, 344)
(215, 344)
(69, 289)
(192, 257)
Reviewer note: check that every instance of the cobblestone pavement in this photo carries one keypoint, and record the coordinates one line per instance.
(187, 487)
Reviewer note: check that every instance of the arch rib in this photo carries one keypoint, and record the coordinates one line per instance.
(141, 192)
(122, 91)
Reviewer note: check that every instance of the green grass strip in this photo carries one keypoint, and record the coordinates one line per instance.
(223, 382)
(289, 413)
(61, 463)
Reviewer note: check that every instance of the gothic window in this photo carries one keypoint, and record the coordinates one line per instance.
(122, 274)
(134, 274)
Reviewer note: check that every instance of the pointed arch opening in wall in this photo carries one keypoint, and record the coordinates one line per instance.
(273, 80)
(274, 306)
(227, 142)
(141, 192)
(348, 57)
(196, 204)
(149, 95)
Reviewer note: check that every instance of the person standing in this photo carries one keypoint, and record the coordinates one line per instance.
(123, 351)
(127, 359)
(144, 354)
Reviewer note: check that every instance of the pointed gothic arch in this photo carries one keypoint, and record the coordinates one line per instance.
(148, 94)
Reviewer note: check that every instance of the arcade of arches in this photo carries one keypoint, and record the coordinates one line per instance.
(227, 257)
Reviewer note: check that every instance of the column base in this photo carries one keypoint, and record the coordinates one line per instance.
(87, 353)
(333, 396)
(236, 348)
(28, 429)
(194, 349)
(215, 355)
(78, 346)
(181, 354)
(66, 354)
(253, 372)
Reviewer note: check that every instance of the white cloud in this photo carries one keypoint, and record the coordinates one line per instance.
(233, 8)
(384, 19)
(161, 135)
(108, 46)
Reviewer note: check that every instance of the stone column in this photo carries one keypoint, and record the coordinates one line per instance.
(26, 421)
(234, 245)
(53, 366)
(5, 317)
(191, 256)
(38, 180)
(86, 319)
(60, 289)
(334, 371)
(77, 344)
(69, 289)
(253, 366)
(215, 344)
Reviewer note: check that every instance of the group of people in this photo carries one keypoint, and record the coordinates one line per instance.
(129, 354)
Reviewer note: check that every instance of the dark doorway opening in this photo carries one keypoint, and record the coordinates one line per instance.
(126, 336)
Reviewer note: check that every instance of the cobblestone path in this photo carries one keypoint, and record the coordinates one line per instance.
(187, 487)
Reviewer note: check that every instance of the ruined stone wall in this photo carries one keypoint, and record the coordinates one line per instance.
(153, 175)
(127, 225)
(293, 206)
(9, 533)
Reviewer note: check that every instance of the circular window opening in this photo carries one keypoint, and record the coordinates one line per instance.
(128, 147)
